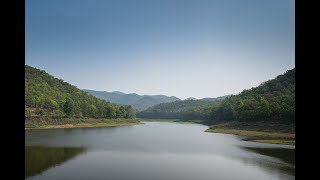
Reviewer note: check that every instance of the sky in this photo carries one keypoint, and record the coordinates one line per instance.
(182, 48)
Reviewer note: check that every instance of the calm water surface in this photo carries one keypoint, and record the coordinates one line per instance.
(152, 151)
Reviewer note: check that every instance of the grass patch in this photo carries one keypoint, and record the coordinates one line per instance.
(252, 133)
(258, 132)
(276, 141)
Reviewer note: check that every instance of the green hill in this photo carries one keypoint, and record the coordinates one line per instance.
(187, 109)
(49, 97)
(273, 100)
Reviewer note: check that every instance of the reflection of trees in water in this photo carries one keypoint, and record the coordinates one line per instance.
(283, 154)
(39, 158)
(286, 155)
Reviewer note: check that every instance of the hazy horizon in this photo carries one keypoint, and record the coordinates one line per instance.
(175, 48)
(152, 94)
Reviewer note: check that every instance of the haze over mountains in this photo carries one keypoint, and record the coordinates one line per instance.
(139, 102)
(47, 96)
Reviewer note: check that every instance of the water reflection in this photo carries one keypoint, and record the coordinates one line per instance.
(38, 158)
(156, 150)
(284, 155)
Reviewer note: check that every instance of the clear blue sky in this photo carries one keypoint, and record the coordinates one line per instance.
(183, 48)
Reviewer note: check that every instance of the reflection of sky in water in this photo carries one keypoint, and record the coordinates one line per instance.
(174, 151)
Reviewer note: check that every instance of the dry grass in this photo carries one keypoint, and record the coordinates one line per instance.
(257, 136)
(78, 123)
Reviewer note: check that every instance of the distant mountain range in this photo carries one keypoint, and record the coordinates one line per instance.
(139, 102)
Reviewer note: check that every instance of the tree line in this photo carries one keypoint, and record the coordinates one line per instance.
(185, 110)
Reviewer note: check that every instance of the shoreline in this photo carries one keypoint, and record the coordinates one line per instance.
(258, 136)
(79, 123)
(272, 137)
(70, 126)
(170, 120)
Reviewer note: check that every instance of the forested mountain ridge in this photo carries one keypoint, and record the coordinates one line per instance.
(273, 100)
(47, 96)
(185, 109)
(139, 102)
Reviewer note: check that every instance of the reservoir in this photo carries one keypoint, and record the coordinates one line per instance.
(152, 151)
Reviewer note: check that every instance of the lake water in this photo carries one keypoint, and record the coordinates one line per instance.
(152, 151)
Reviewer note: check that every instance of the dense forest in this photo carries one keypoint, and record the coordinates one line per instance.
(138, 102)
(187, 109)
(273, 100)
(46, 96)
